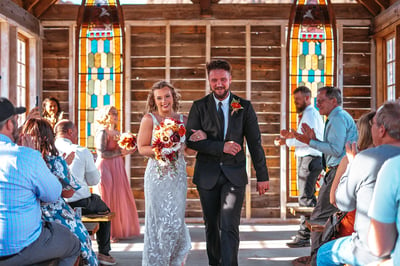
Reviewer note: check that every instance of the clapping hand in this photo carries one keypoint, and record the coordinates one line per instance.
(308, 134)
(351, 150)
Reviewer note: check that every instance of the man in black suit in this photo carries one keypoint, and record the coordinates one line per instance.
(220, 170)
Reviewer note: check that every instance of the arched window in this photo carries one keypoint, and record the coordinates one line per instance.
(311, 60)
(99, 63)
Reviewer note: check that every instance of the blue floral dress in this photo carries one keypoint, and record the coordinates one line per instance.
(62, 213)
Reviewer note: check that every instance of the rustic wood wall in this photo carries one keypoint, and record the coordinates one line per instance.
(174, 43)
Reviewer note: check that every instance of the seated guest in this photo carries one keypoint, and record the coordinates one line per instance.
(384, 211)
(86, 174)
(52, 111)
(356, 188)
(41, 137)
(25, 181)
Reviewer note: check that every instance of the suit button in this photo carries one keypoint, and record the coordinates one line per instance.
(221, 163)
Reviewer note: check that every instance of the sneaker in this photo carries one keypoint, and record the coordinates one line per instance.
(298, 243)
(106, 260)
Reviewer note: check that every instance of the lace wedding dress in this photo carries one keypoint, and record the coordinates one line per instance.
(166, 237)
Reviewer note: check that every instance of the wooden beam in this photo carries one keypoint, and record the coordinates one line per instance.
(383, 3)
(29, 4)
(42, 6)
(13, 12)
(372, 6)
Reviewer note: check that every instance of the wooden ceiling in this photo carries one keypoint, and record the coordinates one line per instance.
(39, 7)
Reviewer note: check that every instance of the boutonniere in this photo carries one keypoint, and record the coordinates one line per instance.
(236, 106)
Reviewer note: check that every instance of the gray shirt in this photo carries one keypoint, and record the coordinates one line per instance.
(355, 191)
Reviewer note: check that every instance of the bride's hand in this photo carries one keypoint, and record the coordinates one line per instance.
(198, 135)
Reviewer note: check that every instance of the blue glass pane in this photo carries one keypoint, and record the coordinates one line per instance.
(93, 101)
(300, 76)
(322, 76)
(111, 73)
(100, 73)
(311, 77)
(305, 48)
(93, 44)
(318, 48)
(88, 129)
(106, 99)
(89, 73)
(107, 46)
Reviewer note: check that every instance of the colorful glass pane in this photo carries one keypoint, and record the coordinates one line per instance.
(311, 50)
(100, 62)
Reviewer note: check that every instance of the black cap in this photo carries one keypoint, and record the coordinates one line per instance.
(7, 109)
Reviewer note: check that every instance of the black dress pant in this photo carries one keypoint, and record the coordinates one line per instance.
(222, 207)
(95, 205)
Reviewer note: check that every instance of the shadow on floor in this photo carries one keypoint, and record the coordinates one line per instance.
(259, 245)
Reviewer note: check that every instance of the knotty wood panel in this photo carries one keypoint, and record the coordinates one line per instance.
(356, 70)
(55, 71)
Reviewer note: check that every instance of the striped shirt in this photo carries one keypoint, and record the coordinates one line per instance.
(25, 180)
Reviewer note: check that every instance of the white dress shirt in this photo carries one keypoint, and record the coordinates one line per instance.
(312, 118)
(82, 168)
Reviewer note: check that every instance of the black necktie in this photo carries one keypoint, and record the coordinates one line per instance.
(221, 118)
(323, 155)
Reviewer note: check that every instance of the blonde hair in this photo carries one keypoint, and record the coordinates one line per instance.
(103, 115)
(151, 103)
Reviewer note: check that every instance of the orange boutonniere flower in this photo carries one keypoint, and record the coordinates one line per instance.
(236, 106)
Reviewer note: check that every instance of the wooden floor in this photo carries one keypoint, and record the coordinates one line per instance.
(260, 245)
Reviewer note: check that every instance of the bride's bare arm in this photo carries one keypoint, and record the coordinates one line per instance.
(144, 136)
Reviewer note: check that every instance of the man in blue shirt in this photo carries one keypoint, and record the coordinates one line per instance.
(25, 181)
(340, 128)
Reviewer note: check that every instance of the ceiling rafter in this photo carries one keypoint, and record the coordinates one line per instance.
(42, 6)
(372, 6)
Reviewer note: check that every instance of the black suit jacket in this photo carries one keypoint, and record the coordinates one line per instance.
(210, 159)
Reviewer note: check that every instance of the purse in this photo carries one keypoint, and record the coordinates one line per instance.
(331, 227)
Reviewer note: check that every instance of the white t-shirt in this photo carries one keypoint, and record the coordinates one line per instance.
(82, 168)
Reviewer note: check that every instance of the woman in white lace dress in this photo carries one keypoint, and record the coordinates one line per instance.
(166, 237)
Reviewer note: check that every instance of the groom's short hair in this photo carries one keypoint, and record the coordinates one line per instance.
(218, 64)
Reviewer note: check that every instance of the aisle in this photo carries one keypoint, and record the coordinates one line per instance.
(260, 245)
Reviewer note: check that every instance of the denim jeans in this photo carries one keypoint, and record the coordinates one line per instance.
(337, 252)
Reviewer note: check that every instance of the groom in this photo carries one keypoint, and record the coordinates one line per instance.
(220, 171)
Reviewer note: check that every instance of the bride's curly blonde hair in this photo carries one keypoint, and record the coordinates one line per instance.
(151, 103)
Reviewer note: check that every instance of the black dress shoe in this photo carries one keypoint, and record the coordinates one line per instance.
(298, 243)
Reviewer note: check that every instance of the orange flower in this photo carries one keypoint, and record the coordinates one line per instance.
(235, 105)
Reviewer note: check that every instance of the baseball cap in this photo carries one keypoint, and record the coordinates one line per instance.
(7, 109)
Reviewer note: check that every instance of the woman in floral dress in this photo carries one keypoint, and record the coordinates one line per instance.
(38, 134)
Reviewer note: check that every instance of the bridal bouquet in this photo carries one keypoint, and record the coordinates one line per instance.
(127, 141)
(167, 141)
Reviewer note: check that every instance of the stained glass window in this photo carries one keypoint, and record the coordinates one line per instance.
(311, 46)
(100, 68)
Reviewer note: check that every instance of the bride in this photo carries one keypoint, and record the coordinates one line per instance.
(166, 237)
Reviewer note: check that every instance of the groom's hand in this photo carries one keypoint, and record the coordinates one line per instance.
(232, 148)
(262, 187)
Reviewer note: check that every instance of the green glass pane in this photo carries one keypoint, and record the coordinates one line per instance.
(110, 57)
(90, 90)
(90, 60)
(90, 116)
(90, 140)
(302, 61)
(110, 87)
(321, 62)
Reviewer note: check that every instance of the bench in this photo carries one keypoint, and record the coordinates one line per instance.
(96, 218)
(91, 221)
(315, 225)
(296, 209)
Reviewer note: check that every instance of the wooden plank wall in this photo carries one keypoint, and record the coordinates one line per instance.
(357, 87)
(185, 67)
(56, 65)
